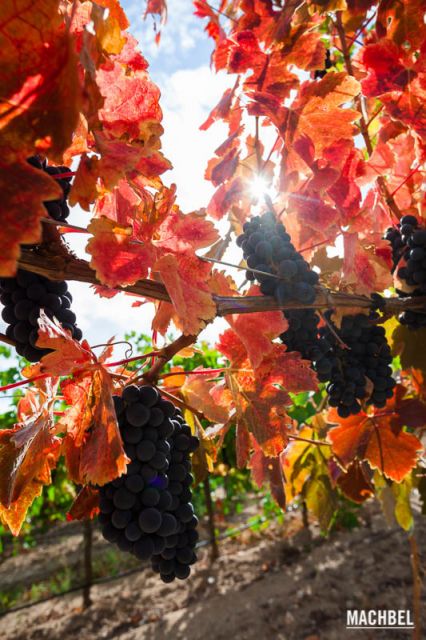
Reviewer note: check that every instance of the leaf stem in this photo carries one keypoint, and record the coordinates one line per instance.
(195, 372)
(318, 443)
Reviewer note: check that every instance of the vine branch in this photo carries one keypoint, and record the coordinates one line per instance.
(6, 340)
(67, 267)
(167, 354)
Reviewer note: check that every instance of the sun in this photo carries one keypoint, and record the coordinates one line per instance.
(259, 187)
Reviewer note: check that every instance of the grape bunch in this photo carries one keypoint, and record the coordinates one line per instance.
(348, 370)
(345, 359)
(22, 298)
(148, 511)
(408, 242)
(267, 248)
(57, 209)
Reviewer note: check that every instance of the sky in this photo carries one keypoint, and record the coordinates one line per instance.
(180, 66)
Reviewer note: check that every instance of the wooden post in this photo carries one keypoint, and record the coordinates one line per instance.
(88, 569)
(417, 588)
(210, 513)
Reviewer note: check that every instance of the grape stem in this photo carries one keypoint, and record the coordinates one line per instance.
(332, 330)
(181, 403)
(318, 443)
(166, 354)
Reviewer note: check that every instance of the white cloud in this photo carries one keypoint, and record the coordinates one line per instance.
(187, 98)
(182, 32)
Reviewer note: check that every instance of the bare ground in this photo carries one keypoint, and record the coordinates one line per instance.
(267, 587)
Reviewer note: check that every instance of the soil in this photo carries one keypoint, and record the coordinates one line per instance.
(267, 586)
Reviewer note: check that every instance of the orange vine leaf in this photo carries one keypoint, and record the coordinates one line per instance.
(372, 438)
(28, 453)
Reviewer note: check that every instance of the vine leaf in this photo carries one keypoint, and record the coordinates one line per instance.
(28, 453)
(186, 279)
(260, 395)
(189, 232)
(355, 484)
(39, 105)
(295, 464)
(408, 345)
(386, 70)
(129, 99)
(373, 438)
(268, 469)
(116, 259)
(207, 396)
(92, 445)
(67, 354)
(255, 330)
(22, 209)
(41, 93)
(319, 104)
(86, 504)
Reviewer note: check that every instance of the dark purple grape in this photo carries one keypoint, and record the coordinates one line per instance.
(150, 497)
(134, 483)
(110, 533)
(120, 519)
(143, 548)
(137, 414)
(150, 520)
(124, 499)
(168, 525)
(133, 532)
(149, 396)
(145, 450)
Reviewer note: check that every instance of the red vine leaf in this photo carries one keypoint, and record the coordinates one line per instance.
(268, 469)
(260, 408)
(386, 71)
(86, 504)
(354, 483)
(288, 369)
(319, 104)
(129, 100)
(186, 279)
(28, 453)
(22, 209)
(117, 259)
(67, 356)
(231, 347)
(180, 233)
(92, 445)
(41, 93)
(255, 330)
